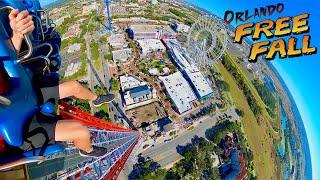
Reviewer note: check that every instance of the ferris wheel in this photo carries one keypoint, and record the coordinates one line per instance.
(207, 41)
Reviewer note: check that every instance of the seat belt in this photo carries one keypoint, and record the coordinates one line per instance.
(38, 130)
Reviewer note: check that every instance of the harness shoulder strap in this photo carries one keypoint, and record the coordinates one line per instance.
(38, 130)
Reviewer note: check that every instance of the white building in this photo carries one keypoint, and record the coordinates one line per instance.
(151, 45)
(154, 71)
(130, 81)
(59, 21)
(136, 92)
(179, 91)
(72, 69)
(73, 31)
(74, 48)
(199, 83)
(189, 70)
(143, 31)
(182, 28)
(117, 41)
(116, 9)
(121, 55)
(154, 2)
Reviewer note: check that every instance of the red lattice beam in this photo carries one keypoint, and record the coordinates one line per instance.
(69, 112)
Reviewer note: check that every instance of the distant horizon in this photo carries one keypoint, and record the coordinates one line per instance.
(48, 3)
(296, 72)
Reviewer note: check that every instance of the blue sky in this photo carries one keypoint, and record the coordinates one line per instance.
(301, 74)
(46, 2)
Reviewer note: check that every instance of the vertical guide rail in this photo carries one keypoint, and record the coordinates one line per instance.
(109, 25)
(116, 169)
(101, 168)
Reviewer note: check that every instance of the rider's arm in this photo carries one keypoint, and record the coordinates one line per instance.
(21, 23)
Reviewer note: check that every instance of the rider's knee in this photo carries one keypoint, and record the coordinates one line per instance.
(84, 131)
(75, 85)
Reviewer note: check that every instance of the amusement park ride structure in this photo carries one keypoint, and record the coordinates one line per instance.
(18, 106)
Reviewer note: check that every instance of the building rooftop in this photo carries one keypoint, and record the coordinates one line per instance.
(72, 69)
(122, 54)
(187, 67)
(74, 47)
(151, 45)
(154, 71)
(179, 91)
(136, 92)
(199, 82)
(144, 28)
(149, 28)
(182, 27)
(86, 9)
(117, 40)
(130, 81)
(237, 165)
(140, 91)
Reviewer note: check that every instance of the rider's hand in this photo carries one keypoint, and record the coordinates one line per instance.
(21, 23)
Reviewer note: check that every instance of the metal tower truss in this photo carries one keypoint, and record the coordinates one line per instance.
(118, 140)
(108, 13)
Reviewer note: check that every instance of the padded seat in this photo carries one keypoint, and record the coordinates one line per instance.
(24, 104)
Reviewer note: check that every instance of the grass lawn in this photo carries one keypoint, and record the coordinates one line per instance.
(104, 110)
(95, 55)
(157, 64)
(271, 122)
(258, 135)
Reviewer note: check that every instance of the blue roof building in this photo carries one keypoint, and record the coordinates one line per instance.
(141, 91)
(136, 92)
(237, 166)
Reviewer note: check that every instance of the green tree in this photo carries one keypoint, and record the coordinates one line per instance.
(103, 114)
(256, 109)
(151, 170)
(95, 55)
(267, 96)
(108, 57)
(178, 13)
(115, 84)
(240, 113)
(224, 86)
(83, 105)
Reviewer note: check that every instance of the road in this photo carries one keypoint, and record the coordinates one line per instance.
(166, 153)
